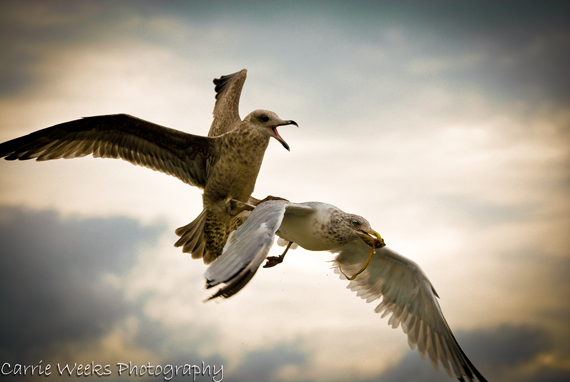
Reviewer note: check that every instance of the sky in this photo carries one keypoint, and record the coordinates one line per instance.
(445, 124)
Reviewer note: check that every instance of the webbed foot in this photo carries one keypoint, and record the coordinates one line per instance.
(274, 260)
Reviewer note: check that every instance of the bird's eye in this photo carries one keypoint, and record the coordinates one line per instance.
(264, 118)
(355, 223)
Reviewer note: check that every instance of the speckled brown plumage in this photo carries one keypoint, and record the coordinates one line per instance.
(244, 148)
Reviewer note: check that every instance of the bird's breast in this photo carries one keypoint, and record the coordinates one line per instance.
(235, 174)
(304, 231)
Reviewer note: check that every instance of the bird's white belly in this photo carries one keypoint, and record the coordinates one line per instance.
(301, 231)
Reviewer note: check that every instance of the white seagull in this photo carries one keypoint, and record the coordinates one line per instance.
(376, 271)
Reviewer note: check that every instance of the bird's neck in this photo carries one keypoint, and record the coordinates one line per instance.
(248, 142)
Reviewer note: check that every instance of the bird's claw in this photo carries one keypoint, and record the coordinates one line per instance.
(273, 261)
(378, 243)
(235, 207)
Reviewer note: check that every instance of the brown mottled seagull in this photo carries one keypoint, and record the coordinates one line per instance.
(376, 272)
(193, 237)
(225, 164)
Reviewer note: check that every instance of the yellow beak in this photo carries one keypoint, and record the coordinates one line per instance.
(372, 238)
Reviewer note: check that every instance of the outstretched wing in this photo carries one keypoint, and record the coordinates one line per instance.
(409, 297)
(142, 143)
(226, 111)
(246, 249)
(248, 246)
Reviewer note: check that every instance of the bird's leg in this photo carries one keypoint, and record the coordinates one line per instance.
(363, 268)
(235, 207)
(274, 260)
(373, 242)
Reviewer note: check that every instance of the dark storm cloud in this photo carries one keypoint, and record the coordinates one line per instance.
(51, 270)
(264, 364)
(502, 353)
(29, 34)
(32, 33)
(505, 347)
(261, 364)
(524, 45)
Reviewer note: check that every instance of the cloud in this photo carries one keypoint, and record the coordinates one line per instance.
(446, 123)
(399, 46)
(53, 279)
(506, 347)
(503, 353)
(266, 363)
(58, 284)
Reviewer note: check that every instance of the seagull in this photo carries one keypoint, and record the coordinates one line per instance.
(226, 117)
(376, 272)
(225, 164)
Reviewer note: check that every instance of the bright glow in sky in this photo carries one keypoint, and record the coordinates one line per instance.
(445, 124)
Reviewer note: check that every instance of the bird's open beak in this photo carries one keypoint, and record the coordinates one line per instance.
(372, 238)
(276, 134)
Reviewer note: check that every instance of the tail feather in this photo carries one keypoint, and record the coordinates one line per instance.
(192, 236)
(206, 236)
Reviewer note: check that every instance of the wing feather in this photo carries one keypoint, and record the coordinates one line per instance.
(139, 142)
(408, 297)
(226, 111)
(246, 249)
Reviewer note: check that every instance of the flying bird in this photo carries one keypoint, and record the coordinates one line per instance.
(376, 272)
(210, 227)
(225, 164)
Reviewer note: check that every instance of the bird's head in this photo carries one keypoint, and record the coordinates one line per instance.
(267, 122)
(361, 228)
